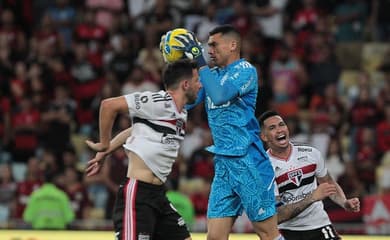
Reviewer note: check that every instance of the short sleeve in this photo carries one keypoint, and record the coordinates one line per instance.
(321, 170)
(140, 104)
(244, 79)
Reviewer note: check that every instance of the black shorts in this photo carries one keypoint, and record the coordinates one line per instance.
(323, 233)
(142, 211)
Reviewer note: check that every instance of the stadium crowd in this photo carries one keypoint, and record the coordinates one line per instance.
(323, 65)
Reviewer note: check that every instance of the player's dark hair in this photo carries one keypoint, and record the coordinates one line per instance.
(177, 71)
(226, 29)
(265, 115)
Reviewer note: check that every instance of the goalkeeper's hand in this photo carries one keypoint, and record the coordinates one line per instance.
(191, 47)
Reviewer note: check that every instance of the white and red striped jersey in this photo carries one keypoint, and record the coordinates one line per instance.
(158, 128)
(296, 178)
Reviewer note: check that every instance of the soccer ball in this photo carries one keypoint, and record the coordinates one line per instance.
(167, 43)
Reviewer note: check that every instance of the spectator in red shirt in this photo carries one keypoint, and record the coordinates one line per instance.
(25, 130)
(16, 40)
(383, 131)
(94, 35)
(5, 121)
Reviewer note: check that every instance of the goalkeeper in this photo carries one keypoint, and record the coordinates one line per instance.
(243, 173)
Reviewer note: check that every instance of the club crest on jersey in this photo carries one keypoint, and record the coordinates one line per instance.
(295, 176)
(180, 126)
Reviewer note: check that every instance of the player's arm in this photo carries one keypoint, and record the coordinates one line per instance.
(218, 93)
(339, 197)
(109, 109)
(95, 164)
(289, 211)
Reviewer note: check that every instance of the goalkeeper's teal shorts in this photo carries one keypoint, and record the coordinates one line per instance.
(244, 183)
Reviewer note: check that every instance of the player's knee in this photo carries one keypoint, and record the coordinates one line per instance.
(217, 236)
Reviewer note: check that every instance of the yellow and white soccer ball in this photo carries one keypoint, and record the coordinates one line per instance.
(168, 42)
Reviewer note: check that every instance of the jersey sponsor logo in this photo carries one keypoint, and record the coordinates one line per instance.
(303, 149)
(303, 158)
(295, 176)
(288, 197)
(246, 85)
(211, 105)
(137, 101)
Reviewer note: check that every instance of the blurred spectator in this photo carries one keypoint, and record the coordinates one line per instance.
(93, 35)
(269, 16)
(288, 77)
(39, 83)
(15, 38)
(7, 192)
(380, 19)
(193, 140)
(201, 165)
(151, 60)
(5, 122)
(159, 19)
(364, 81)
(63, 15)
(307, 16)
(25, 130)
(383, 174)
(199, 196)
(350, 20)
(57, 120)
(87, 82)
(383, 131)
(77, 192)
(137, 11)
(103, 187)
(383, 94)
(335, 158)
(206, 22)
(6, 65)
(350, 181)
(330, 107)
(70, 158)
(363, 113)
(31, 182)
(224, 11)
(367, 158)
(48, 207)
(19, 83)
(241, 18)
(138, 81)
(48, 35)
(324, 71)
(122, 60)
(105, 10)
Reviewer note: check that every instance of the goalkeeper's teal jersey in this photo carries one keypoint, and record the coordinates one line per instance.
(233, 124)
